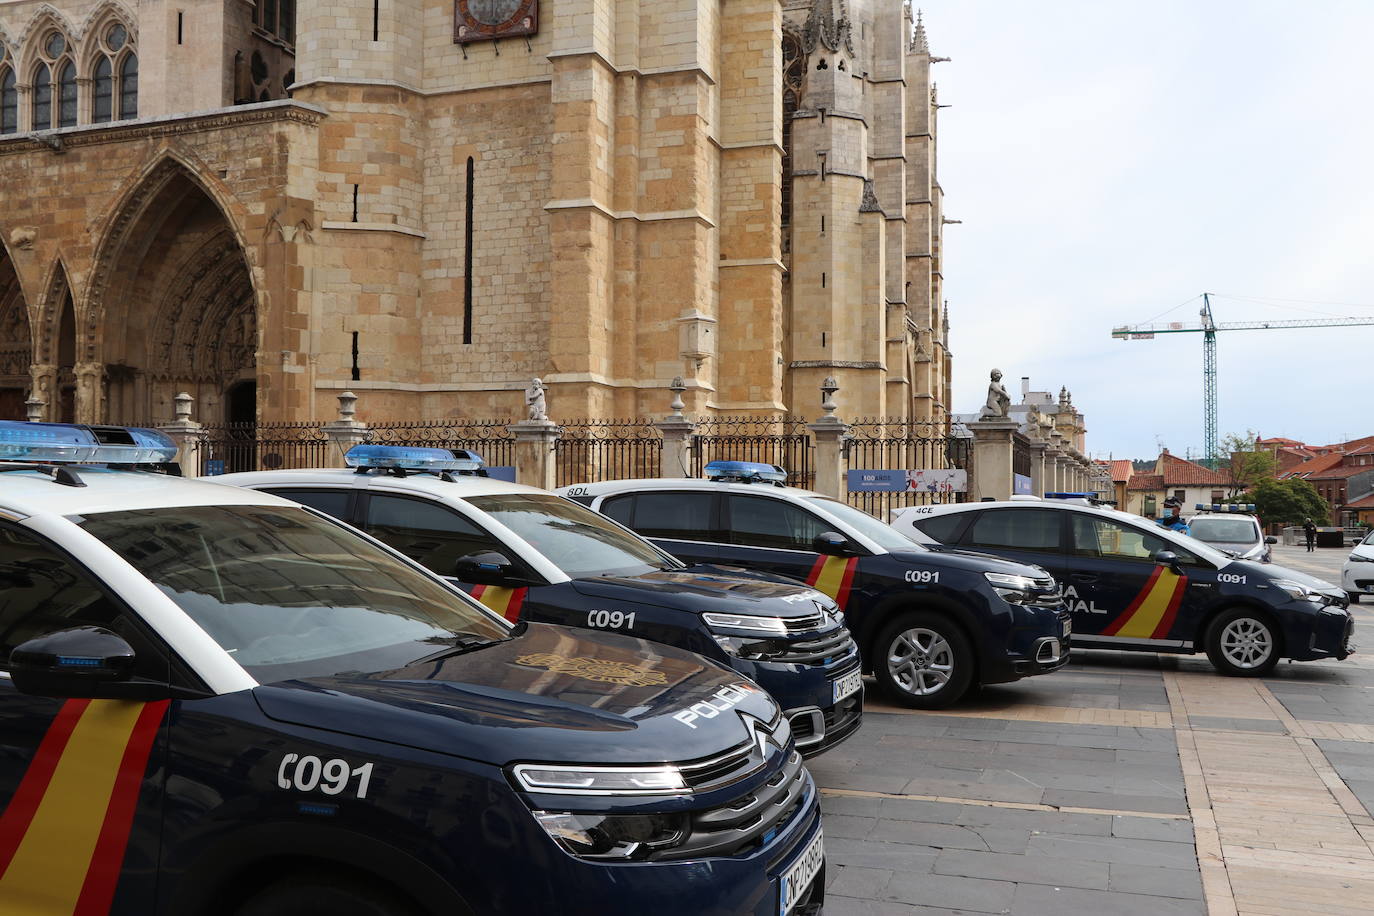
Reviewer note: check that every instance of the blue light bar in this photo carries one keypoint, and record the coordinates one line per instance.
(745, 471)
(69, 443)
(1245, 508)
(410, 458)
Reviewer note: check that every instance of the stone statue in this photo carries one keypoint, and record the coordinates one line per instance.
(534, 399)
(999, 402)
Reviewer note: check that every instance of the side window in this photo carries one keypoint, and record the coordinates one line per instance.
(1101, 537)
(757, 521)
(942, 528)
(43, 591)
(679, 516)
(620, 508)
(432, 535)
(1017, 529)
(337, 503)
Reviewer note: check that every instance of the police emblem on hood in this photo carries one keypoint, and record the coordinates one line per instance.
(595, 669)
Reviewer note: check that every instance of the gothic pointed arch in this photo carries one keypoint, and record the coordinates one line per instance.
(108, 58)
(16, 341)
(171, 303)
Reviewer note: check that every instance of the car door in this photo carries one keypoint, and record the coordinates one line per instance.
(771, 535)
(436, 537)
(1122, 596)
(686, 523)
(80, 780)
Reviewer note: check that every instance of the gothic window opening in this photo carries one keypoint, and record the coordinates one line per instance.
(793, 85)
(66, 93)
(115, 76)
(54, 85)
(9, 97)
(277, 18)
(128, 87)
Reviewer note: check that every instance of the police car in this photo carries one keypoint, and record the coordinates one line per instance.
(532, 555)
(1134, 585)
(215, 701)
(1231, 528)
(929, 625)
(1357, 575)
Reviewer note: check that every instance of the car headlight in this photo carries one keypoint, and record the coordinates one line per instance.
(592, 780)
(775, 625)
(1012, 588)
(1298, 591)
(1359, 559)
(613, 836)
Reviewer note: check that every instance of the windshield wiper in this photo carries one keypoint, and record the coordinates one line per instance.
(460, 645)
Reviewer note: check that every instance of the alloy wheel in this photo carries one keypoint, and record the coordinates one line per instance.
(920, 661)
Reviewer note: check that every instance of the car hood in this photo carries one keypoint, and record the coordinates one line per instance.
(1236, 547)
(550, 694)
(709, 588)
(968, 560)
(1264, 572)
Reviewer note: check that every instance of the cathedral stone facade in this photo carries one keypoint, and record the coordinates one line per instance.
(430, 202)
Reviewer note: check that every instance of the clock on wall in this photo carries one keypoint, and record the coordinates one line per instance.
(482, 20)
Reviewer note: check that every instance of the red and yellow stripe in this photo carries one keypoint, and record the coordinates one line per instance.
(1151, 615)
(833, 576)
(63, 834)
(504, 601)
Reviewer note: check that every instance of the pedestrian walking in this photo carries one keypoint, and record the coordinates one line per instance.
(1310, 530)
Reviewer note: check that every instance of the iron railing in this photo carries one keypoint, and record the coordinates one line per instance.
(588, 451)
(894, 444)
(781, 440)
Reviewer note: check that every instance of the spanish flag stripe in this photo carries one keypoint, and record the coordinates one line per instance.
(1167, 624)
(833, 576)
(478, 591)
(816, 569)
(517, 601)
(19, 813)
(1150, 609)
(504, 601)
(1124, 617)
(842, 599)
(103, 875)
(49, 868)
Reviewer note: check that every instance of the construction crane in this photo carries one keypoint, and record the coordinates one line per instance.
(1209, 327)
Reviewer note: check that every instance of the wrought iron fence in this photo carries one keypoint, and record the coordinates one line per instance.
(1020, 455)
(488, 438)
(781, 440)
(878, 444)
(232, 447)
(591, 450)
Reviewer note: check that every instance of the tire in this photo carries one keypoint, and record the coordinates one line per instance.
(324, 894)
(923, 660)
(1243, 643)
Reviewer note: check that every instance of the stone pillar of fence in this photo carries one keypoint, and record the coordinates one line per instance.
(830, 433)
(993, 476)
(346, 431)
(187, 434)
(677, 431)
(1038, 462)
(535, 441)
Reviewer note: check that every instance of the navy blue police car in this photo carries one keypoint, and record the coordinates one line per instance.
(217, 702)
(929, 625)
(532, 555)
(1134, 585)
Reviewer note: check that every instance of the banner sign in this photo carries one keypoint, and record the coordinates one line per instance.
(896, 481)
(504, 472)
(1021, 485)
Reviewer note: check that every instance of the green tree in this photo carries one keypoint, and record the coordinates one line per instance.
(1248, 463)
(1287, 502)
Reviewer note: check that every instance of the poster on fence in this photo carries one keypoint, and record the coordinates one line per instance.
(897, 481)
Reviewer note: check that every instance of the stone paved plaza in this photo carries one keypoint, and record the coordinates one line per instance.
(1126, 783)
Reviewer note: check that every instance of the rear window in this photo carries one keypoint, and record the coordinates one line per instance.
(942, 528)
(1017, 529)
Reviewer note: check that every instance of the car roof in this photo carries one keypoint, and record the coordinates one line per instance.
(33, 493)
(947, 508)
(460, 487)
(608, 487)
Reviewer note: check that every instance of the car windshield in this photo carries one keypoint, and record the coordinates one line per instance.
(289, 594)
(1368, 539)
(577, 540)
(884, 536)
(1223, 530)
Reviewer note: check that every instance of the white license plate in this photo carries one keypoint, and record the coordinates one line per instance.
(798, 878)
(848, 684)
(1068, 628)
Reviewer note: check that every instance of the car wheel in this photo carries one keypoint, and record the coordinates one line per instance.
(324, 894)
(923, 660)
(1243, 643)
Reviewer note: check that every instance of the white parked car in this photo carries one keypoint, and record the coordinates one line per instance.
(1357, 576)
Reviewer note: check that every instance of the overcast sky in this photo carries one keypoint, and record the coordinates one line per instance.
(1113, 160)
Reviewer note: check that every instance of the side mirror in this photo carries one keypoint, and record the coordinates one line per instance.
(1167, 558)
(1271, 540)
(73, 663)
(834, 544)
(487, 568)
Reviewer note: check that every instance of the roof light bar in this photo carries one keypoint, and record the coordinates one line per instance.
(409, 458)
(746, 472)
(1245, 508)
(69, 443)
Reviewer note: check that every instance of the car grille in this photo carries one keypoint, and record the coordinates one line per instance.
(826, 649)
(748, 822)
(804, 624)
(732, 766)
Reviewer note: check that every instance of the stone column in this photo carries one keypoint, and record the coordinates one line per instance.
(346, 431)
(677, 433)
(44, 388)
(90, 378)
(992, 462)
(187, 434)
(1038, 462)
(535, 441)
(830, 433)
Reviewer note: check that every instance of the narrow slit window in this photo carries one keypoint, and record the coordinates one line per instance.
(467, 256)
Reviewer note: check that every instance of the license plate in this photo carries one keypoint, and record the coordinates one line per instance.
(848, 684)
(798, 878)
(1068, 628)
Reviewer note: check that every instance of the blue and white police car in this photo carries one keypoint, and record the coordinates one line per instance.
(532, 555)
(1231, 528)
(929, 625)
(218, 702)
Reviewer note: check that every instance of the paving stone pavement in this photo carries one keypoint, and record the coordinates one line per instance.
(1125, 783)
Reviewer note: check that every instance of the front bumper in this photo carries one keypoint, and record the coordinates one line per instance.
(807, 697)
(1038, 644)
(1358, 578)
(1324, 635)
